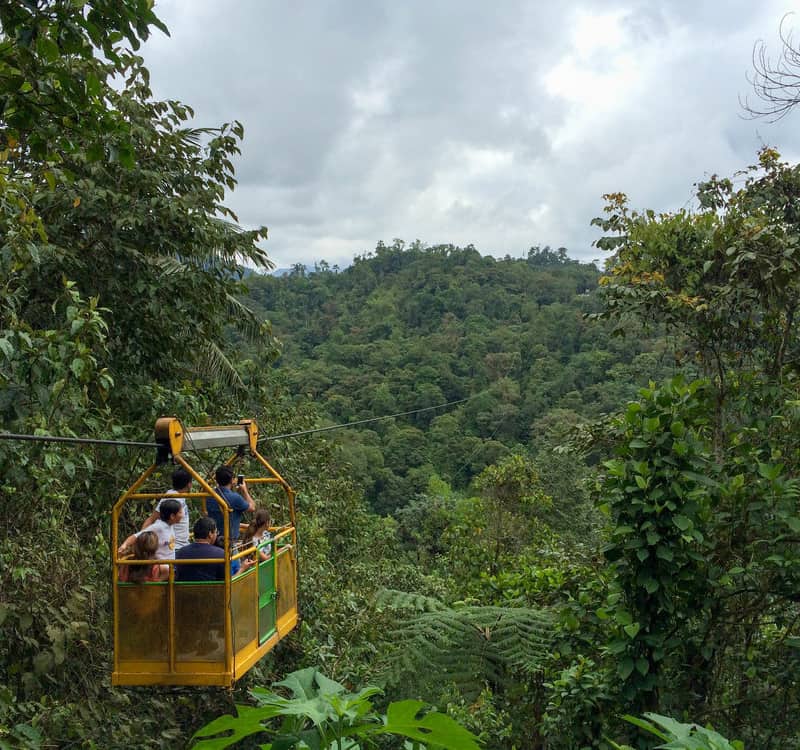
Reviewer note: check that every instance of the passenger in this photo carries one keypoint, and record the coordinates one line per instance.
(181, 482)
(257, 533)
(144, 548)
(170, 514)
(203, 548)
(239, 503)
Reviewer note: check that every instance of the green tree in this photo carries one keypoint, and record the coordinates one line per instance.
(723, 279)
(121, 269)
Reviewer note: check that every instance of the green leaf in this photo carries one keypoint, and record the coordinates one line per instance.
(126, 156)
(651, 585)
(652, 424)
(92, 84)
(681, 521)
(663, 552)
(246, 722)
(43, 662)
(95, 152)
(407, 719)
(793, 522)
(770, 471)
(623, 617)
(625, 667)
(47, 48)
(632, 630)
(646, 725)
(7, 348)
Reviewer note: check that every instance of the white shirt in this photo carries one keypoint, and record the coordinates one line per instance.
(181, 528)
(166, 539)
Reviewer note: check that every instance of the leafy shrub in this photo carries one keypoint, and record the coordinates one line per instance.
(323, 714)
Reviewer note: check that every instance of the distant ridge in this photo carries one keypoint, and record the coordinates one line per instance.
(286, 271)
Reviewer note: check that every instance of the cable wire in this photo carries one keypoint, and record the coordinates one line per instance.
(83, 441)
(139, 444)
(363, 421)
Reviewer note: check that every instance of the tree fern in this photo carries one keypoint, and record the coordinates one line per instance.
(465, 645)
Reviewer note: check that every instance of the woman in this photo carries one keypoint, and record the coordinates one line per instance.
(144, 548)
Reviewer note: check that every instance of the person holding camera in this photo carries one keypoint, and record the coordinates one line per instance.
(238, 501)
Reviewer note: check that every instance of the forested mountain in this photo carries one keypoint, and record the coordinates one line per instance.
(409, 327)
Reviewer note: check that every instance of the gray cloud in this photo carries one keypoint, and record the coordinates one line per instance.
(464, 122)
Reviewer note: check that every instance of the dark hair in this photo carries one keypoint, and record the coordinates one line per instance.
(224, 476)
(180, 478)
(168, 508)
(260, 520)
(204, 527)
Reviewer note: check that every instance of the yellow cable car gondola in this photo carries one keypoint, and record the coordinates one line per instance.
(210, 632)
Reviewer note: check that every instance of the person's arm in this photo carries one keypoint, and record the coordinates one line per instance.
(151, 519)
(127, 544)
(246, 495)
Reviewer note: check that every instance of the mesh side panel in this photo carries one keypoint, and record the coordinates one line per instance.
(143, 622)
(266, 620)
(266, 576)
(243, 609)
(287, 586)
(200, 622)
(266, 599)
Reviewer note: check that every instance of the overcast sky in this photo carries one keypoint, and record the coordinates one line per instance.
(497, 124)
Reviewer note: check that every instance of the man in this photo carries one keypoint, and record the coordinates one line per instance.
(181, 482)
(170, 514)
(203, 548)
(238, 503)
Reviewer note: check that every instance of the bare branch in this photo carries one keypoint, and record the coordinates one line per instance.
(776, 82)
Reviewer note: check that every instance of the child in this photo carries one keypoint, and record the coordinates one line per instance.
(144, 548)
(257, 534)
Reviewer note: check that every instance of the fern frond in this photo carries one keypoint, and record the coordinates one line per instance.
(791, 489)
(393, 599)
(466, 646)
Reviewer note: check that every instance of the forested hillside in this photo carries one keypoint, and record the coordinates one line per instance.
(409, 327)
(606, 525)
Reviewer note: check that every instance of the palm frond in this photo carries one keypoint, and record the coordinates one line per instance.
(212, 362)
(246, 321)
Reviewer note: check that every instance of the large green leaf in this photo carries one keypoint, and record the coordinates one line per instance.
(247, 722)
(408, 719)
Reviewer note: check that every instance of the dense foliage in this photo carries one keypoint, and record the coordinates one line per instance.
(322, 714)
(406, 328)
